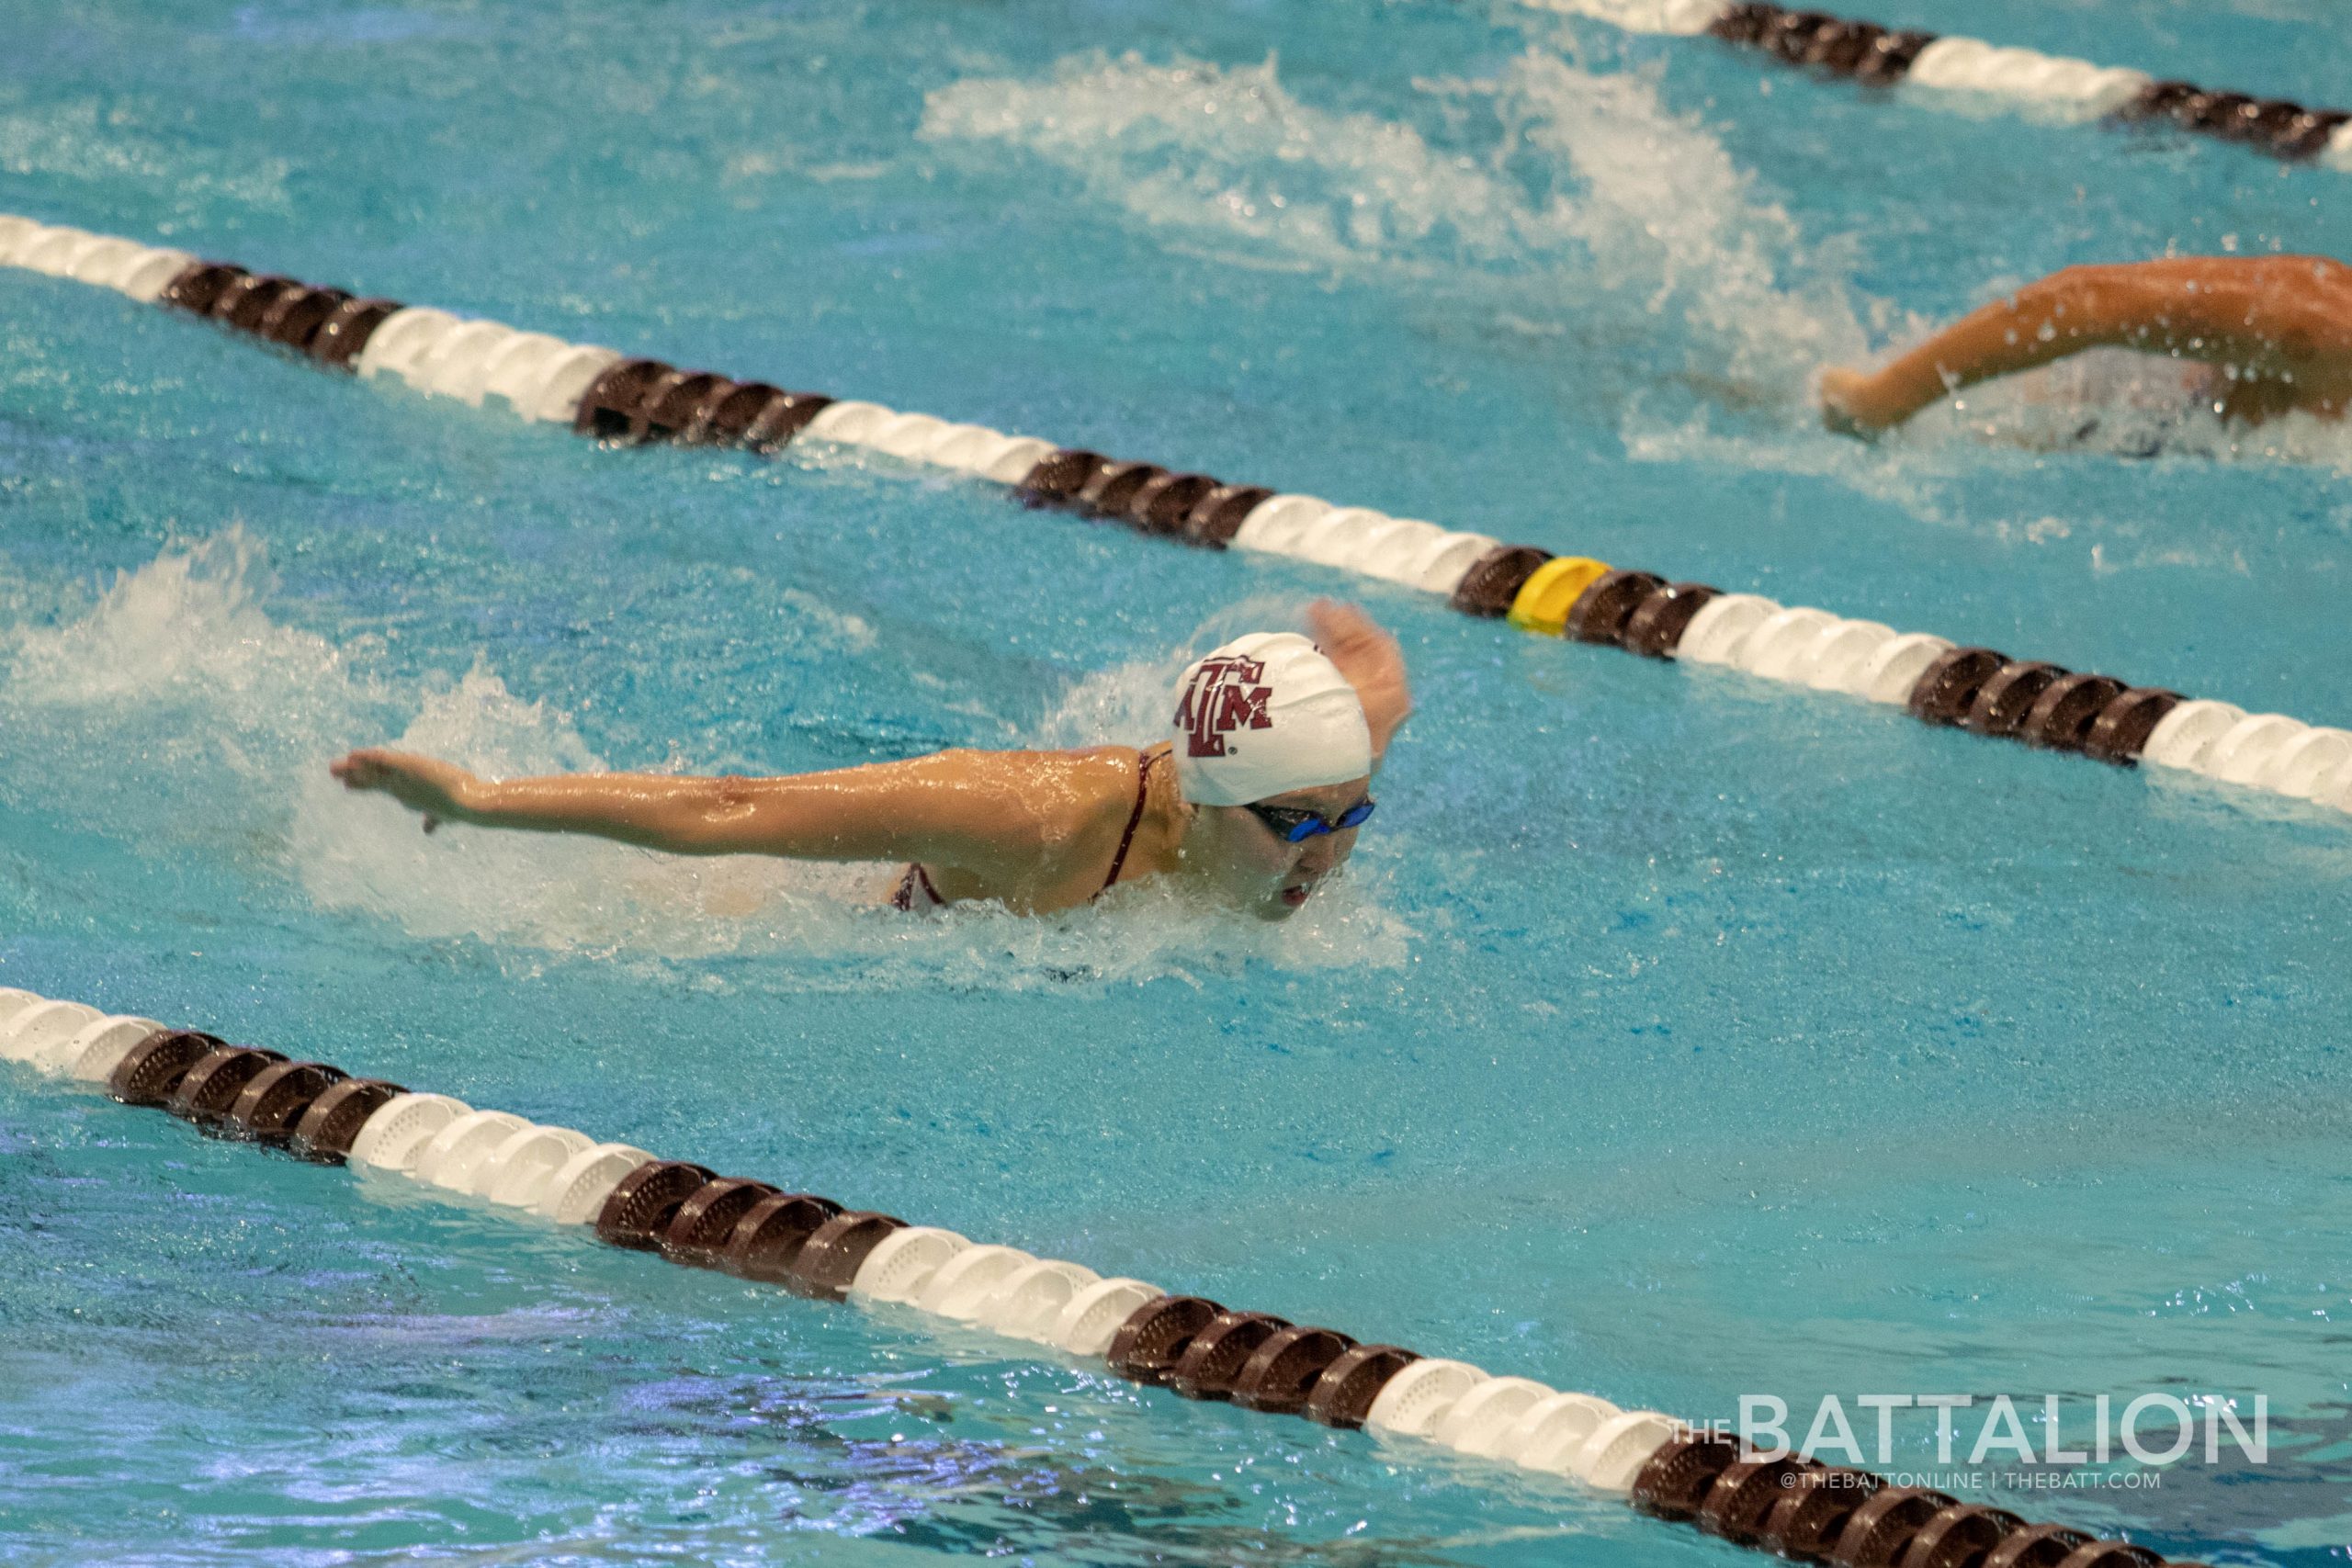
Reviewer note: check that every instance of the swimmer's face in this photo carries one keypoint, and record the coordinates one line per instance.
(1254, 868)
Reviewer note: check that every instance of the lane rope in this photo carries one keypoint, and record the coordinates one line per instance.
(623, 402)
(1946, 67)
(1192, 1346)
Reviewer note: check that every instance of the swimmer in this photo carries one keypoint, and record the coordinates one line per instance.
(2272, 334)
(1255, 798)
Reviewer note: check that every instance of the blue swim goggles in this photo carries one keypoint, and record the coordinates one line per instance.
(1295, 825)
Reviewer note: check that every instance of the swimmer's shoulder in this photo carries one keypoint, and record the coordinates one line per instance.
(1060, 799)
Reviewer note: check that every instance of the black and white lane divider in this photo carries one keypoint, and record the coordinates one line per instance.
(619, 400)
(685, 1214)
(1931, 63)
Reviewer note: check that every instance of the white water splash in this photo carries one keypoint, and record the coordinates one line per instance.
(1587, 181)
(1663, 199)
(176, 709)
(1132, 704)
(2103, 403)
(2125, 403)
(166, 709)
(187, 630)
(1232, 152)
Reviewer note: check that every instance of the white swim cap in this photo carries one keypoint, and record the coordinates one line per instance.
(1265, 714)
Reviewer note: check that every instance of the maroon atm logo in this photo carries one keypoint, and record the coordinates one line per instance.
(1223, 696)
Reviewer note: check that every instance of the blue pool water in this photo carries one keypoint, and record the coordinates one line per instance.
(1675, 1037)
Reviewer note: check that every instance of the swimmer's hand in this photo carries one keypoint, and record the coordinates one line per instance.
(1842, 400)
(439, 791)
(1373, 664)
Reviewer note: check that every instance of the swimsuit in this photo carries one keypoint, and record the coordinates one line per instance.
(916, 891)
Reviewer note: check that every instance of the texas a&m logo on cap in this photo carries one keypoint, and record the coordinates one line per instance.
(1224, 695)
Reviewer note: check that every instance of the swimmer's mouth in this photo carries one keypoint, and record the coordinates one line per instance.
(1295, 896)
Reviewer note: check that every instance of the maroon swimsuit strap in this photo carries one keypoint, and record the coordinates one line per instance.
(1134, 820)
(904, 899)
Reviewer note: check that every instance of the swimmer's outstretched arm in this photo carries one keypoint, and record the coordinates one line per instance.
(2282, 323)
(976, 811)
(1373, 664)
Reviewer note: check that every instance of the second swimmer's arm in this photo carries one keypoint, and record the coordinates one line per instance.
(957, 808)
(2217, 311)
(2060, 315)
